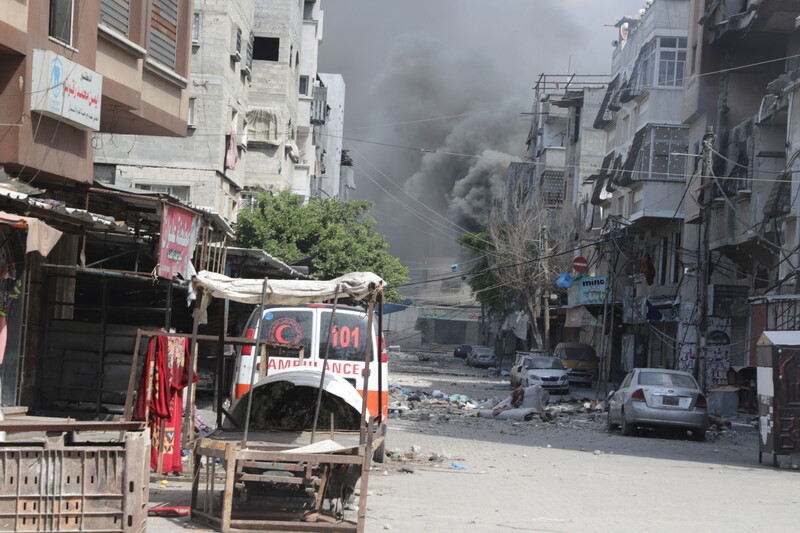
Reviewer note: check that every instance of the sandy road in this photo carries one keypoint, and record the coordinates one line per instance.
(570, 475)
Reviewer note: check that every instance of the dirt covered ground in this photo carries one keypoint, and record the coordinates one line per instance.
(449, 470)
(566, 474)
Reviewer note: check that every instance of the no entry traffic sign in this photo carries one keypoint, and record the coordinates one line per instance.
(580, 264)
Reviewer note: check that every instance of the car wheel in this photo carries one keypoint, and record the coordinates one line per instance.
(611, 426)
(699, 435)
(627, 427)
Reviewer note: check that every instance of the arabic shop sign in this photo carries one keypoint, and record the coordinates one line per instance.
(178, 236)
(66, 91)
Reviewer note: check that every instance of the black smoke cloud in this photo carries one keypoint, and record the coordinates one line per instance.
(417, 60)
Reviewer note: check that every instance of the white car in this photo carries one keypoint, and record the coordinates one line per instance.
(656, 397)
(548, 372)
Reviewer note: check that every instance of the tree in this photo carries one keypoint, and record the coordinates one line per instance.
(484, 282)
(525, 248)
(337, 236)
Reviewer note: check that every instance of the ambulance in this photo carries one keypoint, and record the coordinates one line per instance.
(338, 335)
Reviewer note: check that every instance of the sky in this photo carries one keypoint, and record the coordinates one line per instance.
(450, 76)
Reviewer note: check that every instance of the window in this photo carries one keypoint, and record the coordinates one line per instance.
(61, 20)
(308, 10)
(660, 156)
(671, 61)
(116, 15)
(164, 32)
(676, 257)
(694, 58)
(303, 85)
(663, 264)
(249, 61)
(196, 28)
(266, 48)
(647, 65)
(192, 116)
(237, 44)
(179, 192)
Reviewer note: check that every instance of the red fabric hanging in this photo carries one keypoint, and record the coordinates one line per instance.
(170, 359)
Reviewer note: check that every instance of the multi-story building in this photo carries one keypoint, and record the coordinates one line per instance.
(741, 88)
(70, 71)
(203, 166)
(564, 153)
(253, 90)
(641, 183)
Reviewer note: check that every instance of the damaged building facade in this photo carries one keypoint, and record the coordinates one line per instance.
(86, 262)
(683, 184)
(257, 109)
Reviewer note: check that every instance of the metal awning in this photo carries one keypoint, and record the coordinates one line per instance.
(779, 338)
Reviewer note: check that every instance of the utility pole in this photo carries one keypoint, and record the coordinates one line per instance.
(546, 277)
(703, 272)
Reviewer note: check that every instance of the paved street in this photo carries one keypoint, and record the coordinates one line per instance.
(565, 475)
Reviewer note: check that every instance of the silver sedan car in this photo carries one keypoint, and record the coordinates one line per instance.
(655, 397)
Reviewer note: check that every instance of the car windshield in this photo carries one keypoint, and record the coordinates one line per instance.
(482, 351)
(667, 379)
(545, 363)
(584, 353)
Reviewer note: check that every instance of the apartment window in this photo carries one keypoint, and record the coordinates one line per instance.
(662, 153)
(303, 85)
(647, 65)
(249, 61)
(116, 15)
(266, 48)
(671, 61)
(61, 20)
(676, 257)
(179, 192)
(663, 266)
(192, 116)
(237, 44)
(163, 44)
(308, 10)
(196, 28)
(694, 58)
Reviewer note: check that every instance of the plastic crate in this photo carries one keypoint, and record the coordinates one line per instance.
(89, 487)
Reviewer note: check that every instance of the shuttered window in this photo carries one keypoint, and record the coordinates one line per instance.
(61, 20)
(164, 32)
(116, 15)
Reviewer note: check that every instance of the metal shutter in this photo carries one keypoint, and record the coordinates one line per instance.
(115, 14)
(164, 32)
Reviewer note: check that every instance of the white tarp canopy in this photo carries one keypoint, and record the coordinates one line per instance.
(355, 285)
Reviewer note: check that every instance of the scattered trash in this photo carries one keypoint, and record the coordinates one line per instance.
(168, 511)
(457, 465)
(405, 470)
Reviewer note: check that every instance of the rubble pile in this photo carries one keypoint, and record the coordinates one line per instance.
(523, 405)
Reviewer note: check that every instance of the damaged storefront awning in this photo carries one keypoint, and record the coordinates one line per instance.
(41, 237)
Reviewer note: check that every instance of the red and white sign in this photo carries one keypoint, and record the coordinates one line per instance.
(580, 264)
(178, 235)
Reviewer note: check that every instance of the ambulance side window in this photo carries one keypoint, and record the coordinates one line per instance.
(288, 327)
(348, 336)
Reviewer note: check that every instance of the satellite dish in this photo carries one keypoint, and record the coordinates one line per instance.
(623, 32)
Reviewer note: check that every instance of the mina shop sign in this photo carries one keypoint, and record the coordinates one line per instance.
(66, 91)
(588, 290)
(176, 246)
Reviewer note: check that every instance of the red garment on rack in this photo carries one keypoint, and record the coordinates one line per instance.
(170, 359)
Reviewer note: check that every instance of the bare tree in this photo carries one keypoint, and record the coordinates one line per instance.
(531, 240)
